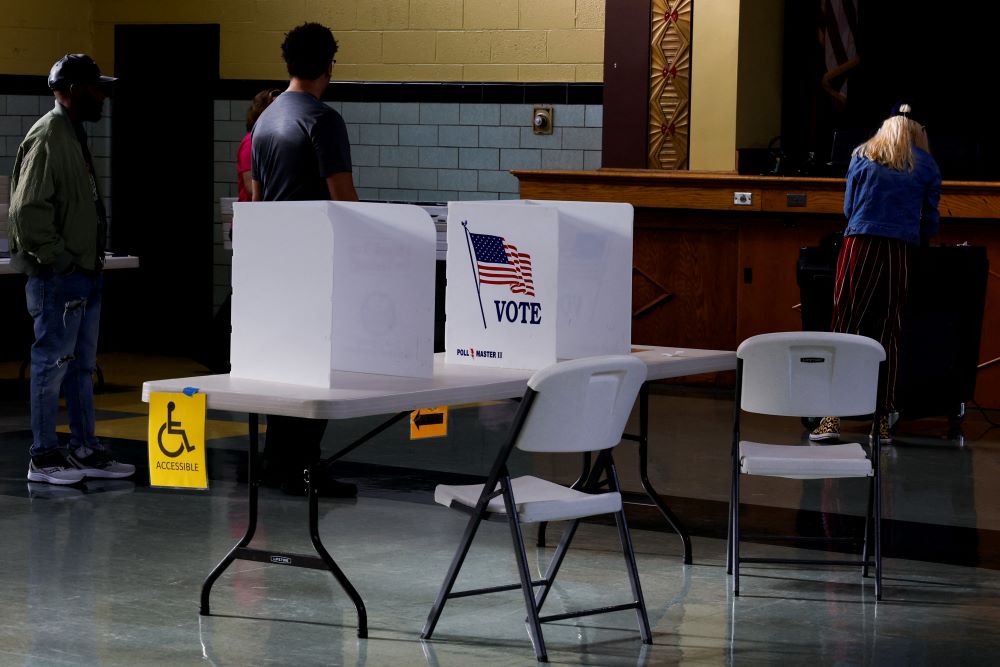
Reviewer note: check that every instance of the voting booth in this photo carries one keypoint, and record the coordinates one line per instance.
(326, 286)
(531, 282)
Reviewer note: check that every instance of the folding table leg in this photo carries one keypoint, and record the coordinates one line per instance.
(253, 484)
(337, 573)
(647, 486)
(240, 550)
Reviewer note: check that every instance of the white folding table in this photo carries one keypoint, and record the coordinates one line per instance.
(110, 262)
(362, 394)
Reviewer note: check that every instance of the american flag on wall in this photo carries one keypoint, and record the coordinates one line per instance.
(838, 25)
(500, 263)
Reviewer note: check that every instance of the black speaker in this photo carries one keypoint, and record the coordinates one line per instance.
(942, 329)
(942, 322)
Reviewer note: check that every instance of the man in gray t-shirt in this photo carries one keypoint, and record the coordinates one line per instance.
(300, 146)
(298, 143)
(301, 152)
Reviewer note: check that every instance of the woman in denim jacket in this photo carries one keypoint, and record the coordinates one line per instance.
(891, 204)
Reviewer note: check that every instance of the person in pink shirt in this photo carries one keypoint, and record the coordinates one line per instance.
(218, 359)
(243, 179)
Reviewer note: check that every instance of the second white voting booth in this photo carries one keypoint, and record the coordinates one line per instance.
(331, 286)
(531, 282)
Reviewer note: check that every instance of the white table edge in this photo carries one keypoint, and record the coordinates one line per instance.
(362, 394)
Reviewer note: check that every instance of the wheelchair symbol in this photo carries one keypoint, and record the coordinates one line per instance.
(173, 428)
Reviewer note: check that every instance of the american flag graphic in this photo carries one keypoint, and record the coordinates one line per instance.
(499, 263)
(839, 23)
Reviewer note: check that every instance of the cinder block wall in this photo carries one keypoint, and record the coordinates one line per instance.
(428, 152)
(437, 152)
(402, 151)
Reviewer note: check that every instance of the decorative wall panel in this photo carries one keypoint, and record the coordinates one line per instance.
(670, 84)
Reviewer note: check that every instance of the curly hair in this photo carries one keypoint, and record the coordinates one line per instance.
(308, 50)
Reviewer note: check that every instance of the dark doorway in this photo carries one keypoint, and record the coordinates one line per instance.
(626, 85)
(162, 180)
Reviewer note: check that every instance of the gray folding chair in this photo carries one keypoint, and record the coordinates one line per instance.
(573, 406)
(802, 374)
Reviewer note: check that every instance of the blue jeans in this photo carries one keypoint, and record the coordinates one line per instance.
(67, 313)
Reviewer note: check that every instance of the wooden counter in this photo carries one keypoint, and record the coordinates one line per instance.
(713, 191)
(709, 272)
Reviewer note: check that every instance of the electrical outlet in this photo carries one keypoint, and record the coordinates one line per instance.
(743, 198)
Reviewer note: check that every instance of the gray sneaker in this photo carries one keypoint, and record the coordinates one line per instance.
(98, 464)
(53, 468)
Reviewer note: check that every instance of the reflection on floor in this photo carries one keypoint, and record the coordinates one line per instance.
(109, 574)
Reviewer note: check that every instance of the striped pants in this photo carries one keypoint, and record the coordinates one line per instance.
(868, 298)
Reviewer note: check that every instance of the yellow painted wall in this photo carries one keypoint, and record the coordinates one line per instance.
(758, 102)
(436, 40)
(381, 40)
(35, 33)
(714, 64)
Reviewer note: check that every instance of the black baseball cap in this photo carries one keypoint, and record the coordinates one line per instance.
(76, 68)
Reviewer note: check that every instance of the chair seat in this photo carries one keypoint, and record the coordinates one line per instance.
(804, 461)
(535, 499)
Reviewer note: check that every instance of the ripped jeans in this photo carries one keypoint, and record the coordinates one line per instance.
(67, 312)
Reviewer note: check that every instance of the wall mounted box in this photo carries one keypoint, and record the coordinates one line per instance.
(332, 286)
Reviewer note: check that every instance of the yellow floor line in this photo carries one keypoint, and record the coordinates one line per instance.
(137, 428)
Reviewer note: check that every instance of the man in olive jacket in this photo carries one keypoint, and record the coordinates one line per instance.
(57, 232)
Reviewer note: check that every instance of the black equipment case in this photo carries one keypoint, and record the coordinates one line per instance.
(942, 324)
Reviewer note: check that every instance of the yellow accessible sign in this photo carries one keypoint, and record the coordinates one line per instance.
(177, 441)
(429, 423)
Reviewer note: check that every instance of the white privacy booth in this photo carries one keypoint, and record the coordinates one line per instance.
(531, 282)
(332, 286)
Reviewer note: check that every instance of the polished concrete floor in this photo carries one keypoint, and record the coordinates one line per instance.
(110, 573)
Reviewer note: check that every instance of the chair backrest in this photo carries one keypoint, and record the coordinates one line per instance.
(582, 405)
(809, 373)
